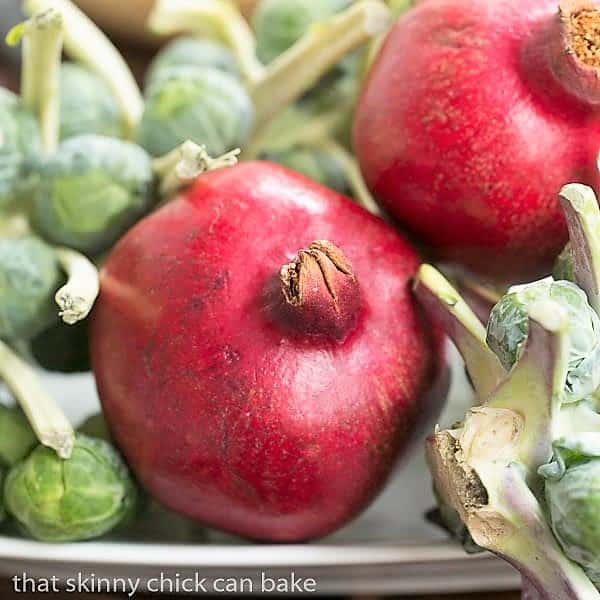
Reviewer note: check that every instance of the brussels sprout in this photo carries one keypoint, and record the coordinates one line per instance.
(81, 498)
(91, 191)
(191, 52)
(86, 104)
(316, 164)
(278, 24)
(563, 266)
(507, 330)
(17, 439)
(206, 105)
(20, 144)
(29, 277)
(572, 490)
(62, 348)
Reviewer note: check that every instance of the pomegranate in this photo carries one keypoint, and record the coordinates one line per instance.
(474, 114)
(258, 353)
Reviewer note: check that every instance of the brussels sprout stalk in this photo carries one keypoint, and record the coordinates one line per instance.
(42, 38)
(85, 42)
(301, 66)
(183, 164)
(46, 418)
(357, 184)
(486, 470)
(76, 298)
(462, 326)
(218, 18)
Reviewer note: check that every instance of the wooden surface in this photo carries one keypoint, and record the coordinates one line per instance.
(6, 593)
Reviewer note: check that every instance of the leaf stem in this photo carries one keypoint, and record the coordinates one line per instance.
(183, 164)
(463, 327)
(301, 66)
(50, 424)
(217, 18)
(76, 298)
(581, 210)
(85, 42)
(42, 39)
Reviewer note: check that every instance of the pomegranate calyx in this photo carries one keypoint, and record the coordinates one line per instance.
(321, 292)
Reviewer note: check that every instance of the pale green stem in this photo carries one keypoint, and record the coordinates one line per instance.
(301, 66)
(85, 42)
(358, 187)
(308, 131)
(50, 424)
(182, 165)
(463, 327)
(583, 220)
(42, 39)
(216, 18)
(76, 298)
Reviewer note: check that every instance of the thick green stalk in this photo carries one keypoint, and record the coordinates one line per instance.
(301, 66)
(487, 469)
(463, 327)
(216, 18)
(45, 416)
(42, 40)
(85, 42)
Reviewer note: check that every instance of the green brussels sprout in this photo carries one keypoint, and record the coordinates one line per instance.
(563, 266)
(316, 164)
(84, 497)
(91, 191)
(206, 106)
(2, 509)
(62, 348)
(17, 439)
(572, 490)
(20, 144)
(191, 52)
(29, 277)
(278, 24)
(86, 104)
(507, 330)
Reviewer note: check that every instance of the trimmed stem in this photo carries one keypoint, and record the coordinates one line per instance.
(182, 165)
(85, 42)
(219, 18)
(76, 298)
(48, 421)
(42, 39)
(301, 66)
(358, 187)
(463, 327)
(583, 220)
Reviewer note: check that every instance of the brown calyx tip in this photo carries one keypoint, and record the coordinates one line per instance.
(320, 290)
(321, 255)
(582, 25)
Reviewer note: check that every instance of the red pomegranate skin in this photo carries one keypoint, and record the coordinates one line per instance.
(466, 131)
(228, 413)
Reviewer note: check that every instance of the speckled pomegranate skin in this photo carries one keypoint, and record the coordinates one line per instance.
(225, 412)
(465, 135)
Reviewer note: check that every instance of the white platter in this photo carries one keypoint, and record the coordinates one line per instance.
(391, 548)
